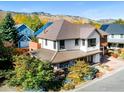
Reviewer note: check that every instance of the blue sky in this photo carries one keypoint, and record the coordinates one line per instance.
(88, 9)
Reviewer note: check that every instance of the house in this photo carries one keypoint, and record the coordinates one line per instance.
(116, 35)
(35, 45)
(63, 42)
(103, 42)
(24, 35)
(42, 28)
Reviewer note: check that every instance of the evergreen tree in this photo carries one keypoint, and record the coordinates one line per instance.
(31, 73)
(8, 30)
(5, 57)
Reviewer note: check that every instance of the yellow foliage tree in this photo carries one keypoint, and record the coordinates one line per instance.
(33, 22)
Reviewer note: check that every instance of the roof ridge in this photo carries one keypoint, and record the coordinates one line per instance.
(60, 28)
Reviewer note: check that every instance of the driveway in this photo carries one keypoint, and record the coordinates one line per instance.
(110, 83)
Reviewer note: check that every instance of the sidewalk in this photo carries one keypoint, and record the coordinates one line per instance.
(115, 63)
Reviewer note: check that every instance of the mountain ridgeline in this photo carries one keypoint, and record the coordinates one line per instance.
(46, 17)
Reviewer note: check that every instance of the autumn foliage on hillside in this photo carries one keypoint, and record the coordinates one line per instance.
(95, 24)
(32, 21)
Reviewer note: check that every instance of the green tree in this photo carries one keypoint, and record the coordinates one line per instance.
(95, 24)
(5, 61)
(31, 73)
(5, 57)
(8, 30)
(36, 23)
(119, 21)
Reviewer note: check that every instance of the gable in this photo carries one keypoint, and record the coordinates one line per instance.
(22, 27)
(24, 30)
(94, 34)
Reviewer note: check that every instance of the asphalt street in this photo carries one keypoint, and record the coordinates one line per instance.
(114, 83)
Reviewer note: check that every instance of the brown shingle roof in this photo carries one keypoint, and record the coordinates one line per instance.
(61, 56)
(44, 54)
(86, 30)
(63, 29)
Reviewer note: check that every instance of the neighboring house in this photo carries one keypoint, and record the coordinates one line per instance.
(42, 28)
(103, 41)
(63, 42)
(24, 35)
(116, 35)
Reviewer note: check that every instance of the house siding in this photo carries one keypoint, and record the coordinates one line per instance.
(86, 48)
(26, 31)
(115, 41)
(50, 44)
(24, 34)
(97, 36)
(70, 44)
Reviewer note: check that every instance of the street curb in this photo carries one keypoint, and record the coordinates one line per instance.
(81, 86)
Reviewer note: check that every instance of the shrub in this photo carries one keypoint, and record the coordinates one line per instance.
(122, 50)
(122, 55)
(81, 68)
(20, 51)
(68, 86)
(81, 71)
(34, 39)
(31, 73)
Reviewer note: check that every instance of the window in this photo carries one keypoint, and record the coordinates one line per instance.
(92, 42)
(83, 42)
(46, 42)
(112, 36)
(121, 45)
(54, 44)
(121, 35)
(67, 64)
(76, 42)
(62, 44)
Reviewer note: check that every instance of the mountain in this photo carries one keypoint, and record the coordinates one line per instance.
(106, 21)
(50, 17)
